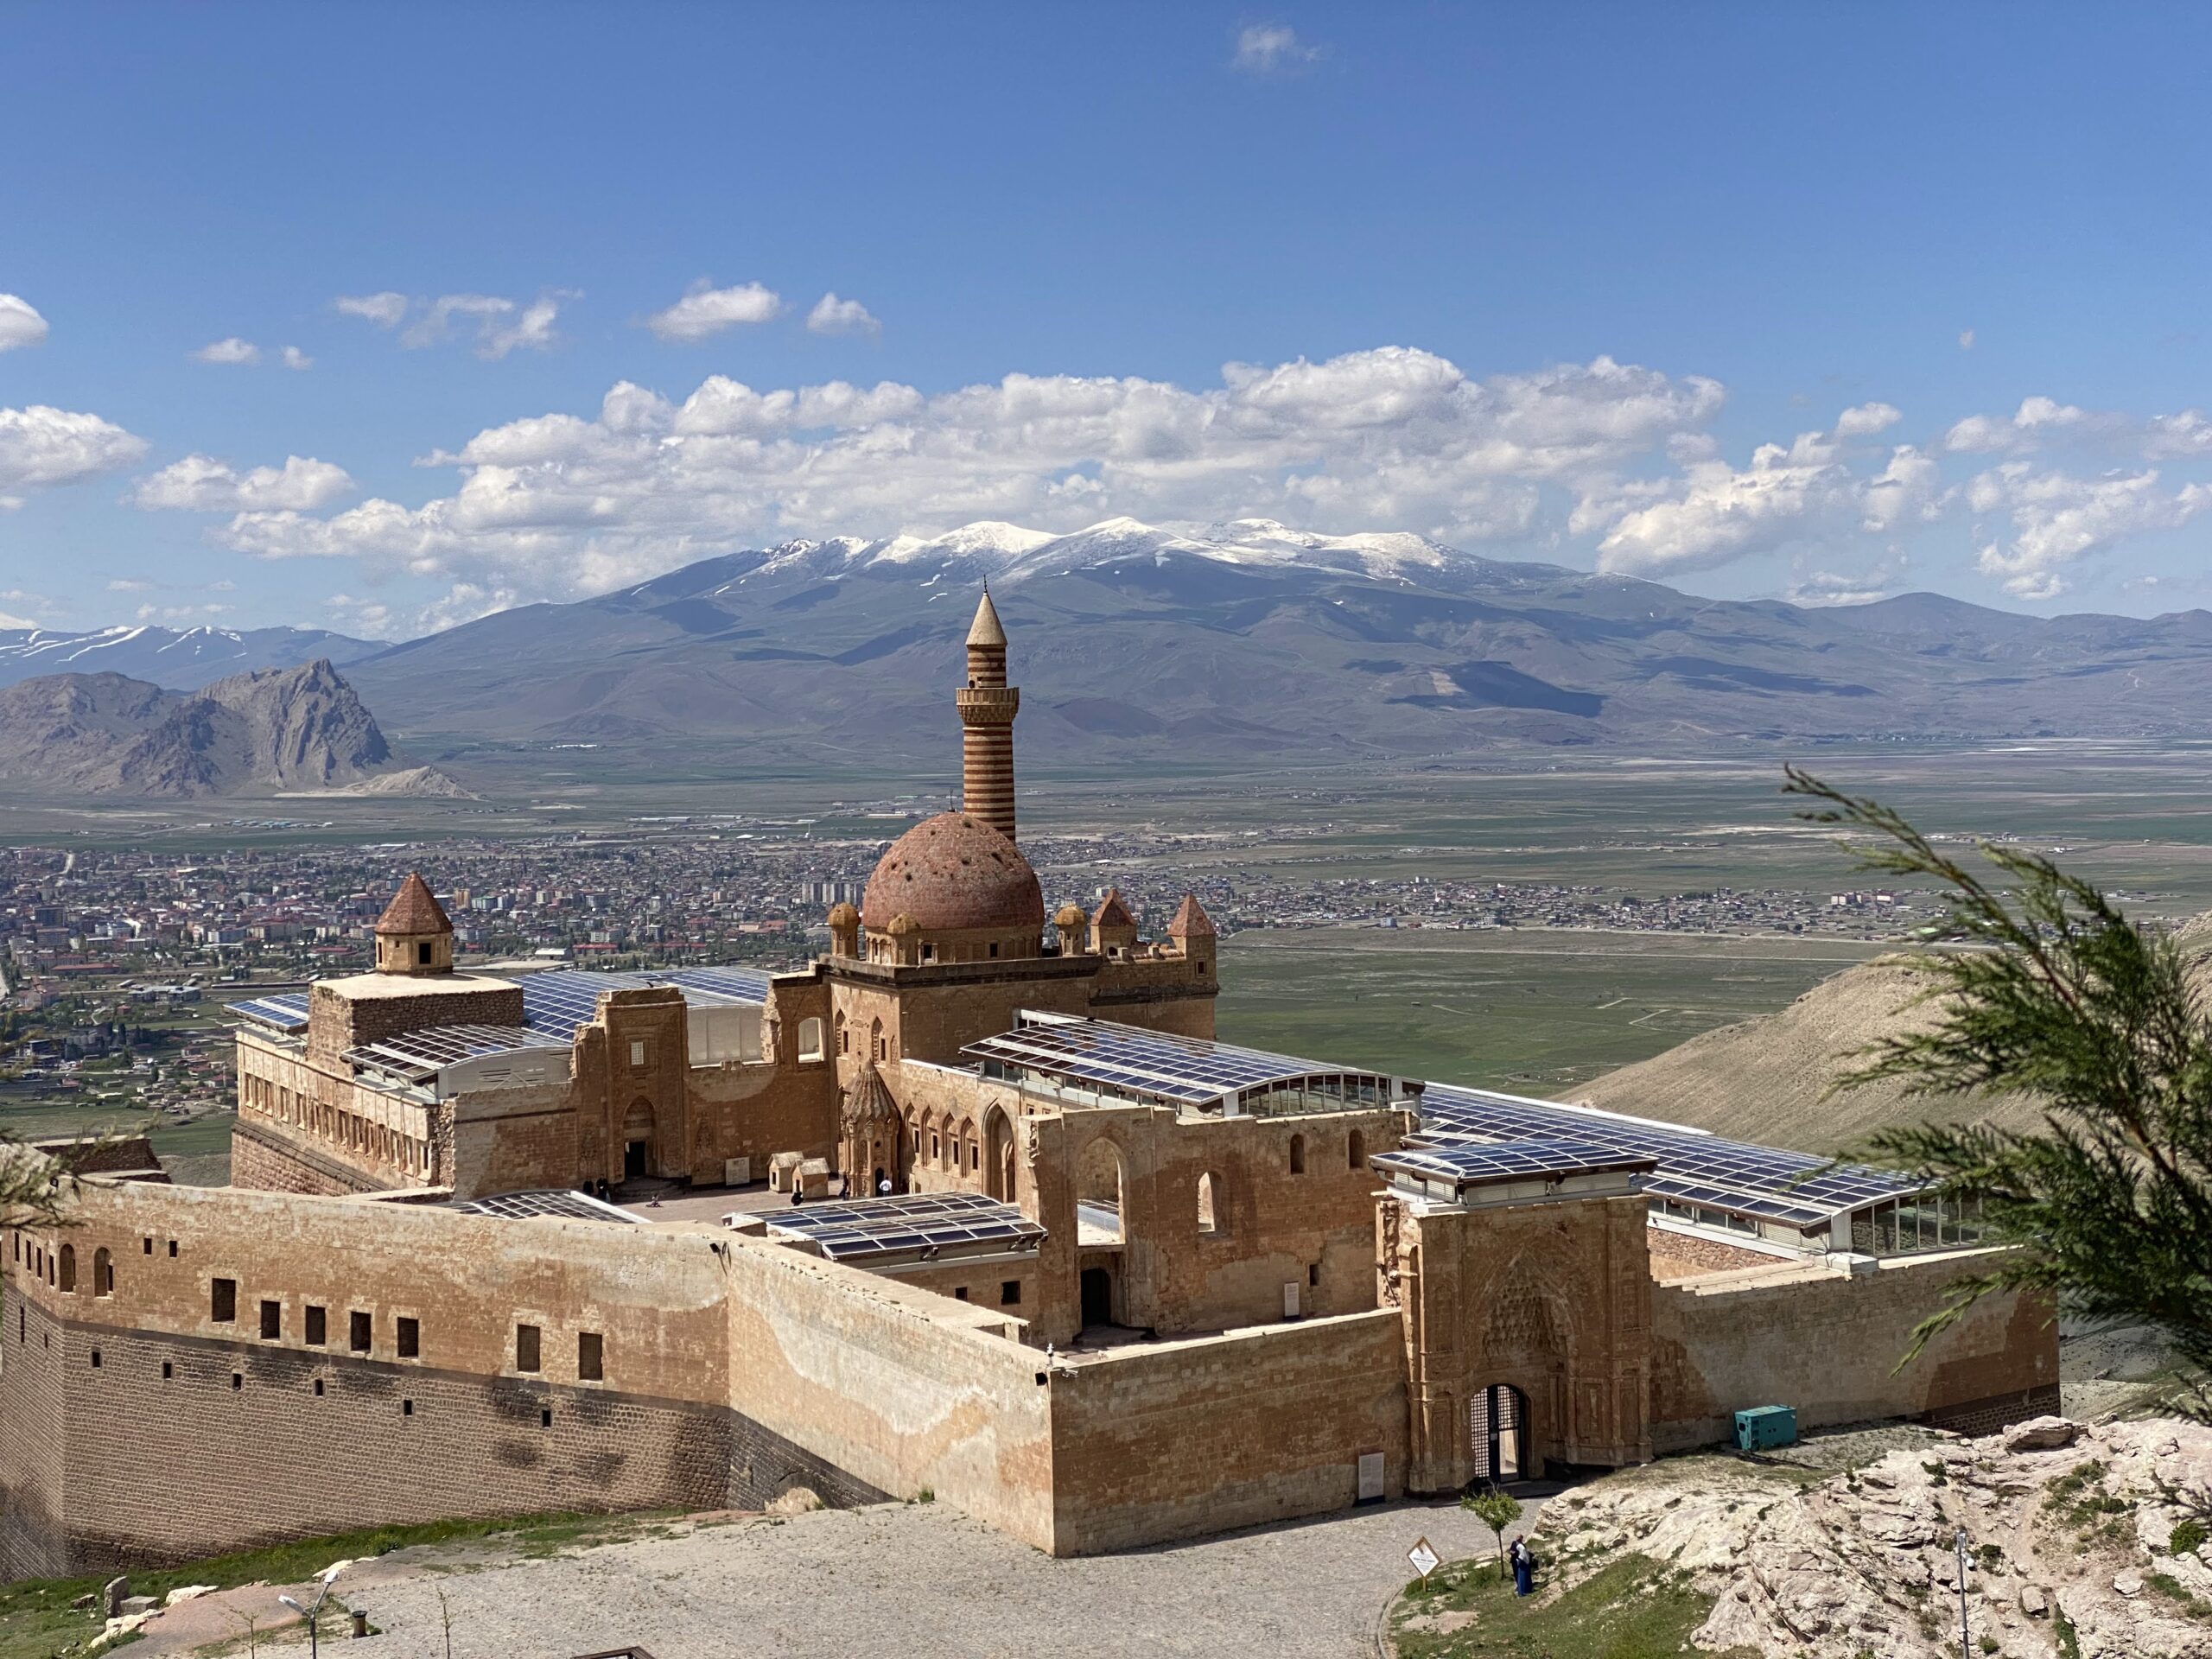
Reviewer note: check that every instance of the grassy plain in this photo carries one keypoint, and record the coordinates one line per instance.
(1529, 1011)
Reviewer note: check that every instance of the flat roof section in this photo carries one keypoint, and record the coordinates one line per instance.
(1797, 1188)
(1156, 1065)
(287, 1011)
(914, 1226)
(1468, 1163)
(558, 1203)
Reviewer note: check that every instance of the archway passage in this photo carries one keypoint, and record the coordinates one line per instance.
(1498, 1423)
(1097, 1297)
(998, 1155)
(638, 1140)
(1101, 1208)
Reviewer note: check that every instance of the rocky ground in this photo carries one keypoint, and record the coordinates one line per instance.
(2083, 1542)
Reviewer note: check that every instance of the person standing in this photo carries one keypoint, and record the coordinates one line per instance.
(1524, 1566)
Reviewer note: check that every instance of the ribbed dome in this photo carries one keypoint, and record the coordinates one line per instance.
(953, 872)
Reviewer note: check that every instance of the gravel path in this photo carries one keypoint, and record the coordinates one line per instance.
(900, 1578)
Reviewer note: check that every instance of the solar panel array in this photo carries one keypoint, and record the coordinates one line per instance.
(1765, 1182)
(1183, 1069)
(522, 1207)
(1467, 1162)
(910, 1221)
(559, 1002)
(286, 1013)
(422, 1054)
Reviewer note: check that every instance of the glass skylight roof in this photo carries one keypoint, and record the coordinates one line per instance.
(910, 1224)
(421, 1055)
(1694, 1167)
(1469, 1163)
(552, 1201)
(286, 1013)
(559, 1002)
(1153, 1065)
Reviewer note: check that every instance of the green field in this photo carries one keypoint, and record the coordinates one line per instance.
(1527, 1011)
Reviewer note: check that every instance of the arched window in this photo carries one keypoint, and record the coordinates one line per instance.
(68, 1266)
(875, 1049)
(1356, 1151)
(1212, 1218)
(102, 1273)
(810, 1039)
(1101, 1218)
(1298, 1155)
(998, 1153)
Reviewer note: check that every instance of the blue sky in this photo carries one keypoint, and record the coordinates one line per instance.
(1811, 301)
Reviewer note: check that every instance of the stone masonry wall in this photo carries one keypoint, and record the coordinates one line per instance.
(1181, 1438)
(1827, 1345)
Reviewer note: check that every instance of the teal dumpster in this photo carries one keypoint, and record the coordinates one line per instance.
(1763, 1426)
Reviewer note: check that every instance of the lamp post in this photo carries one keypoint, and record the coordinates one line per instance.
(1959, 1542)
(313, 1615)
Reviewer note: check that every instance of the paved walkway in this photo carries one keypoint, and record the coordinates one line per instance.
(906, 1578)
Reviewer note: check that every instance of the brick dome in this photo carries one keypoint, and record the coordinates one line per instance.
(954, 872)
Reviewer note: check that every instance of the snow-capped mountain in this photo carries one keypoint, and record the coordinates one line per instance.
(1227, 644)
(180, 660)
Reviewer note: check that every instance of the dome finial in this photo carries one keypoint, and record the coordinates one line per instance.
(986, 629)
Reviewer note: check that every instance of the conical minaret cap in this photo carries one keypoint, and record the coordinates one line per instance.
(985, 630)
(414, 910)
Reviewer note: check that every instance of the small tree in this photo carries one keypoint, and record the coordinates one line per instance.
(34, 1187)
(2107, 1206)
(1496, 1510)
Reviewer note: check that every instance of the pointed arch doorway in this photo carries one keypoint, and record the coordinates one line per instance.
(1498, 1425)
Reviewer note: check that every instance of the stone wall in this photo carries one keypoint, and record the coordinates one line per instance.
(1180, 1438)
(1827, 1343)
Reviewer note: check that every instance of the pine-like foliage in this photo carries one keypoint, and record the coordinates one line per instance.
(2047, 991)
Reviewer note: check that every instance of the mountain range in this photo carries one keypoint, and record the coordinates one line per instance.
(181, 659)
(1228, 642)
(280, 730)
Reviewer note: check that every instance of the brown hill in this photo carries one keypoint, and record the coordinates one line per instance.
(1766, 1079)
(273, 730)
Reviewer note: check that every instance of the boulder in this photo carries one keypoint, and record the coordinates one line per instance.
(2041, 1434)
(111, 1597)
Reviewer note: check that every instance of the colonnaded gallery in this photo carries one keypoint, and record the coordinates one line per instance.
(1062, 1259)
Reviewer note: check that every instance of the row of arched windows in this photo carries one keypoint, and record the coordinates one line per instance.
(349, 1130)
(60, 1270)
(1354, 1153)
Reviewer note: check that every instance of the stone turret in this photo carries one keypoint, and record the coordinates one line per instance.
(988, 706)
(1070, 921)
(1113, 925)
(1191, 923)
(414, 935)
(844, 930)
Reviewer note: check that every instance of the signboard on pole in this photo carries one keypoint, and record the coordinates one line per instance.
(1423, 1557)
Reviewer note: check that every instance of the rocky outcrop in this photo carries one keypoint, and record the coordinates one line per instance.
(2077, 1543)
(276, 730)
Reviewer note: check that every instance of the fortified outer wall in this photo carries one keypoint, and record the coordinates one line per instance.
(138, 1426)
(1827, 1343)
(1185, 1438)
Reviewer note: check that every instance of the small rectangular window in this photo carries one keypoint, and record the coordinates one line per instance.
(410, 1338)
(407, 1408)
(149, 1247)
(1010, 1293)
(272, 1320)
(172, 1247)
(96, 1359)
(545, 1417)
(318, 1320)
(637, 1053)
(961, 1294)
(318, 1387)
(361, 1328)
(167, 1370)
(526, 1347)
(223, 1301)
(591, 1354)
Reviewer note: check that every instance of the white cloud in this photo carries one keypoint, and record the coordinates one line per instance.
(706, 310)
(1270, 48)
(193, 613)
(2042, 423)
(385, 309)
(296, 358)
(1822, 586)
(1819, 488)
(233, 350)
(375, 619)
(1965, 340)
(832, 315)
(20, 323)
(129, 585)
(561, 503)
(202, 484)
(431, 321)
(42, 446)
(9, 619)
(2058, 519)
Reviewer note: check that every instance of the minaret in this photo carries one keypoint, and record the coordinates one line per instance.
(987, 705)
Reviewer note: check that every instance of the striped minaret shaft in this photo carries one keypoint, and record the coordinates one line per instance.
(987, 705)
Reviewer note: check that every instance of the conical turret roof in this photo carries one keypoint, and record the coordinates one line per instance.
(414, 909)
(867, 1100)
(985, 630)
(1191, 921)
